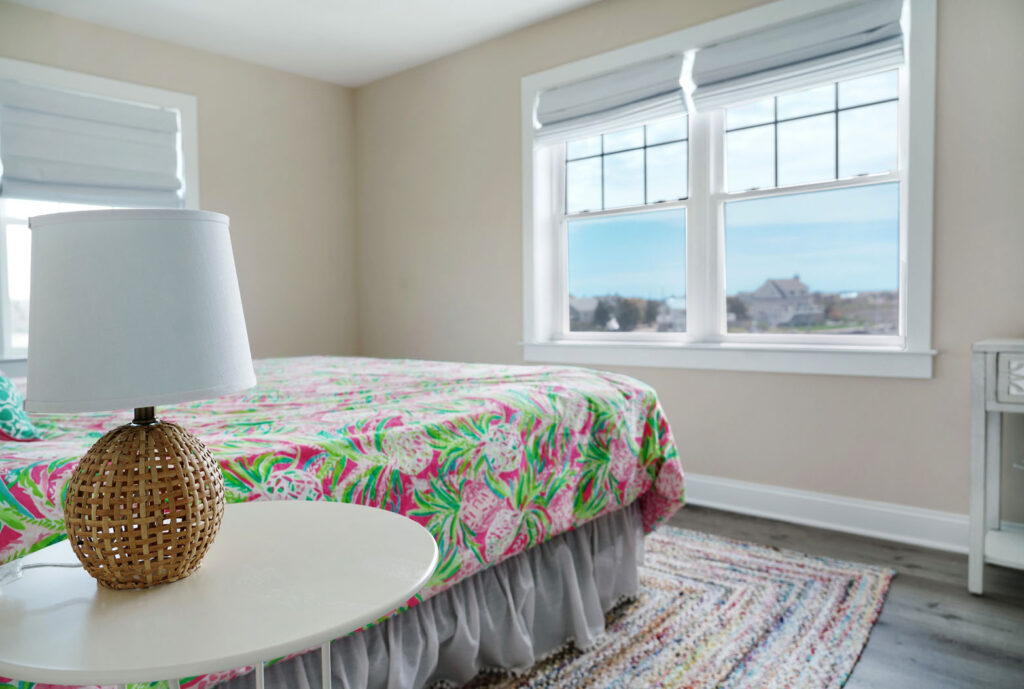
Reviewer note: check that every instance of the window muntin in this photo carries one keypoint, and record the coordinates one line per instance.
(630, 167)
(16, 254)
(627, 272)
(822, 262)
(834, 131)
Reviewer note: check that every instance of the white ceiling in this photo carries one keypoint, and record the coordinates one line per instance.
(348, 42)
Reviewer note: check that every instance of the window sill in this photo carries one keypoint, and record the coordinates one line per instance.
(887, 362)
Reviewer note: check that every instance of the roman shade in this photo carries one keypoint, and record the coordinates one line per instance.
(59, 145)
(627, 96)
(848, 40)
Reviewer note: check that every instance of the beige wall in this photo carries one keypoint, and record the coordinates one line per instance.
(275, 153)
(439, 249)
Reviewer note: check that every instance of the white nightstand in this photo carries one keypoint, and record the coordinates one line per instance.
(997, 388)
(282, 577)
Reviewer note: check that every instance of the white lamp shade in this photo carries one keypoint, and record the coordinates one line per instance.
(133, 308)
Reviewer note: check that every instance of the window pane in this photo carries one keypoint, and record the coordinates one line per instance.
(666, 172)
(750, 158)
(627, 272)
(807, 102)
(746, 115)
(19, 260)
(627, 138)
(868, 140)
(583, 148)
(869, 89)
(666, 130)
(583, 185)
(807, 150)
(624, 179)
(823, 262)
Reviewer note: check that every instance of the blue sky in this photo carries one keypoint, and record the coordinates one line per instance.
(837, 241)
(639, 255)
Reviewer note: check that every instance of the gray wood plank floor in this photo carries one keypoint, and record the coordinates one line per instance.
(932, 633)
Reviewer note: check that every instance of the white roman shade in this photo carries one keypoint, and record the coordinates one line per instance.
(628, 96)
(844, 41)
(62, 146)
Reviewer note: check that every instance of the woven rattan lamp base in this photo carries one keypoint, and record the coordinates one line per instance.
(144, 505)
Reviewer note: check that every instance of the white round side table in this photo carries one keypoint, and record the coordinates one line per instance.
(281, 577)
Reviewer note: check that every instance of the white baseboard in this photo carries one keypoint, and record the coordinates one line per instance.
(886, 520)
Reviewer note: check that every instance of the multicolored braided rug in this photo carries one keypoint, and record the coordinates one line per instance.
(714, 612)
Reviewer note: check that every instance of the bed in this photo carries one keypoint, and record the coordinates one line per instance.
(523, 474)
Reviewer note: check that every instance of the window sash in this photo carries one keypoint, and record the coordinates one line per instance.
(644, 147)
(562, 330)
(706, 317)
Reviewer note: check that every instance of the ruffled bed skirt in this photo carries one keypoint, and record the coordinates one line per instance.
(506, 617)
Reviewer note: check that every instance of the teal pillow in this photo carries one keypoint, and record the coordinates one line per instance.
(14, 422)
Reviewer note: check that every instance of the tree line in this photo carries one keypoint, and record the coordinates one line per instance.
(629, 312)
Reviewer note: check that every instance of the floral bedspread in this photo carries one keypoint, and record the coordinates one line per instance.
(491, 459)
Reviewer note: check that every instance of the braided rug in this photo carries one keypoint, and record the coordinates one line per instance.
(713, 612)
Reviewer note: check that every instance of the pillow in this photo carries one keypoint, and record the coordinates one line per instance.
(14, 422)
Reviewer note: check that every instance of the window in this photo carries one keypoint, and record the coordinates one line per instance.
(767, 224)
(71, 142)
(15, 266)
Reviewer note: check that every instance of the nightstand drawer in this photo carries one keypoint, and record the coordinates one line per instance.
(1010, 379)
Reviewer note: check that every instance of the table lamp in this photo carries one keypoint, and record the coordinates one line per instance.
(132, 309)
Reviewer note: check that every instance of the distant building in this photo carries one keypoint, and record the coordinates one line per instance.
(581, 310)
(672, 315)
(785, 301)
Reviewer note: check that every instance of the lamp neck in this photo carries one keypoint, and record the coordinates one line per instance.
(144, 416)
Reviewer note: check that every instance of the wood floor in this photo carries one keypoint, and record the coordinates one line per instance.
(932, 634)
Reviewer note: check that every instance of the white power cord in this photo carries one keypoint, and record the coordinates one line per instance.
(11, 572)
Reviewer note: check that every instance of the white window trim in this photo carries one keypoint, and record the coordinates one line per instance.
(87, 84)
(911, 358)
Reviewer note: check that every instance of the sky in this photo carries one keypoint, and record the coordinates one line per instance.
(636, 255)
(844, 240)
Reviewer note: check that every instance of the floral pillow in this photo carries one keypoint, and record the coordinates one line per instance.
(14, 422)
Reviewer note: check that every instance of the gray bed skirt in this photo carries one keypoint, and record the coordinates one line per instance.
(505, 617)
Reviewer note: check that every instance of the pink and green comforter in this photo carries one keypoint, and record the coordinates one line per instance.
(491, 459)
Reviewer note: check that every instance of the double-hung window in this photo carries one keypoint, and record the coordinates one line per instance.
(750, 194)
(71, 142)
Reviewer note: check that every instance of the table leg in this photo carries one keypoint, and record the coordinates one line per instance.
(259, 675)
(325, 666)
(993, 466)
(979, 452)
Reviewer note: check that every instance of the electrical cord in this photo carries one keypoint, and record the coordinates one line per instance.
(11, 572)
